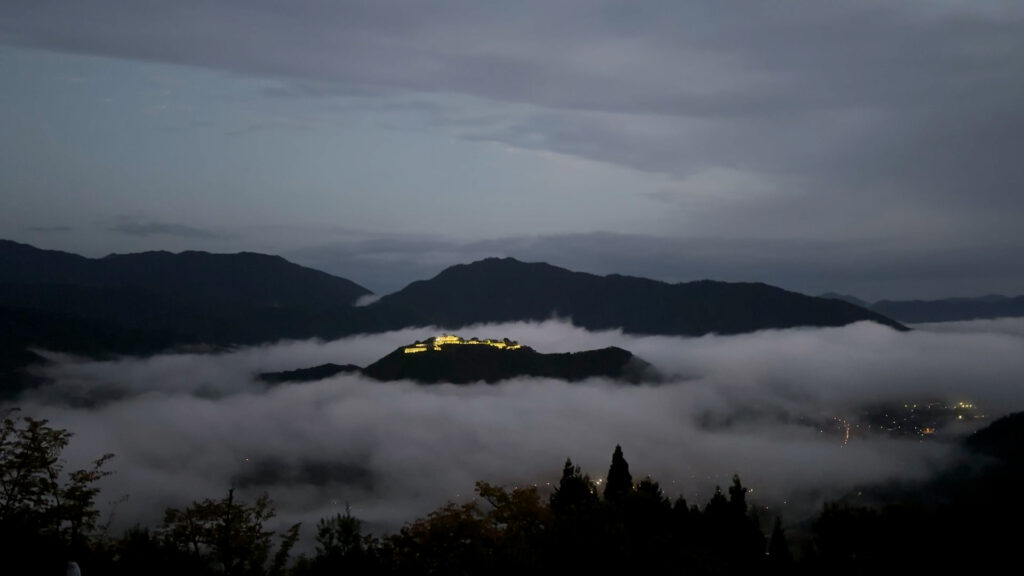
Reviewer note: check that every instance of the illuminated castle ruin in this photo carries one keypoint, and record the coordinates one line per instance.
(437, 342)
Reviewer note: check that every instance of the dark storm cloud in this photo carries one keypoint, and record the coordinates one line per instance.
(154, 228)
(49, 229)
(184, 426)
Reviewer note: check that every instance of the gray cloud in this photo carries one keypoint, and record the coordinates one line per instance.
(829, 131)
(847, 102)
(367, 299)
(185, 426)
(156, 228)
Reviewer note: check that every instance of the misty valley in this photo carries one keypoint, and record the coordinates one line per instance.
(455, 288)
(465, 424)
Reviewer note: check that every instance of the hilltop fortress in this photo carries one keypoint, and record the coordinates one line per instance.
(449, 359)
(437, 342)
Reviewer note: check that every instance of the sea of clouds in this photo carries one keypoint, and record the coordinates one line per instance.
(188, 426)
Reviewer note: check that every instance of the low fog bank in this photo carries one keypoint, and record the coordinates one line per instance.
(187, 426)
(1013, 326)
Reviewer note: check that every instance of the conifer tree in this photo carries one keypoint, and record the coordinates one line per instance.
(738, 496)
(778, 548)
(619, 482)
(574, 493)
(717, 507)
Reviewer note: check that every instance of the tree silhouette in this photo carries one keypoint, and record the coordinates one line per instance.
(45, 513)
(779, 555)
(454, 539)
(619, 483)
(574, 505)
(717, 507)
(227, 536)
(747, 540)
(339, 536)
(737, 496)
(575, 492)
(523, 525)
(341, 547)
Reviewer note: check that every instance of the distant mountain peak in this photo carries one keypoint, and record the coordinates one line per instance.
(493, 262)
(508, 290)
(138, 303)
(846, 298)
(952, 309)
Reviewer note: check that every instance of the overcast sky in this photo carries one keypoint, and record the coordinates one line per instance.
(865, 147)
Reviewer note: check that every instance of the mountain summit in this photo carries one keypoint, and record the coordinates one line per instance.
(507, 290)
(450, 359)
(196, 278)
(148, 302)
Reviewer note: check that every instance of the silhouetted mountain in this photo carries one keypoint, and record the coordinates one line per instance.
(951, 309)
(943, 310)
(308, 374)
(1001, 439)
(195, 296)
(200, 279)
(461, 364)
(507, 290)
(22, 329)
(13, 374)
(143, 303)
(845, 298)
(453, 360)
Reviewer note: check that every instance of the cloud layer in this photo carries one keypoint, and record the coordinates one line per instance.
(882, 134)
(187, 426)
(143, 228)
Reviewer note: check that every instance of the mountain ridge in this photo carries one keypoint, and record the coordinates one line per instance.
(953, 309)
(147, 302)
(506, 289)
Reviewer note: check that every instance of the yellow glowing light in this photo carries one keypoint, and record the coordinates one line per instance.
(437, 342)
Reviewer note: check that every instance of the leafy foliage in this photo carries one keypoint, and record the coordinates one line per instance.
(226, 536)
(575, 494)
(44, 511)
(341, 548)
